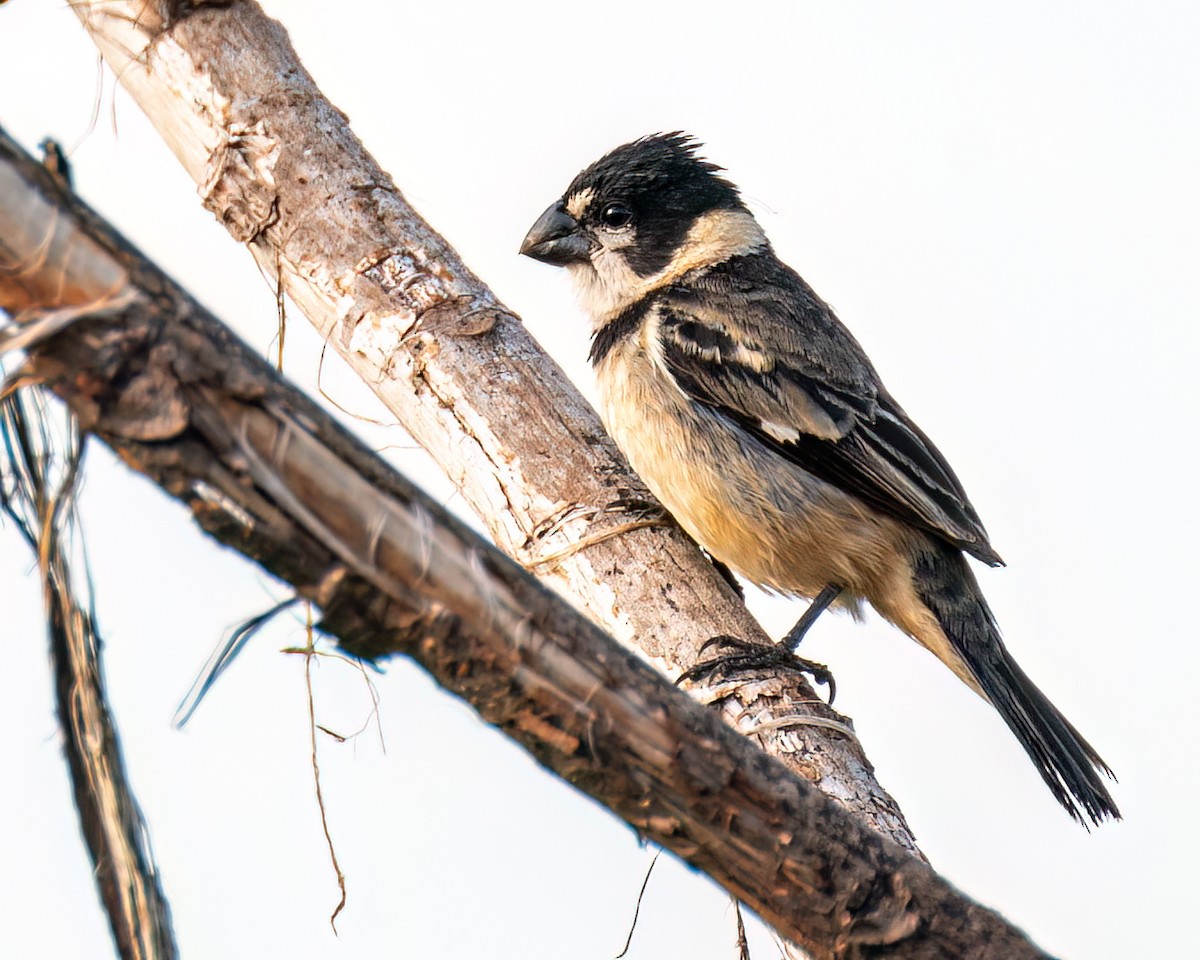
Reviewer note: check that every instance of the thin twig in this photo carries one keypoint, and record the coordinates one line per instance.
(316, 767)
(743, 946)
(638, 908)
(280, 310)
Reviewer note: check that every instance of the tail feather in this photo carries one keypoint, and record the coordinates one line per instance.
(1069, 765)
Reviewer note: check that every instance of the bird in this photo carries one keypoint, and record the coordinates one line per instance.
(758, 421)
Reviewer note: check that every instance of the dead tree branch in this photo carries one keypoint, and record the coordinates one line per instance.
(267, 472)
(37, 492)
(278, 165)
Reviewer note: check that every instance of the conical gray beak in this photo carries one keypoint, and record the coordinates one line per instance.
(555, 238)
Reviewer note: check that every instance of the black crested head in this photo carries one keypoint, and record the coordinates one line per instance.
(665, 168)
(659, 185)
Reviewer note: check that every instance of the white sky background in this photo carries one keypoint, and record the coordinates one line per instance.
(1001, 201)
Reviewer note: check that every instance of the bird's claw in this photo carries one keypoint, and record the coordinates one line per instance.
(742, 655)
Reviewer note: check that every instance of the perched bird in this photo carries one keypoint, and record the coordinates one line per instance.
(758, 421)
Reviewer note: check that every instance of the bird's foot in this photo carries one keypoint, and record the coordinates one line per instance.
(745, 655)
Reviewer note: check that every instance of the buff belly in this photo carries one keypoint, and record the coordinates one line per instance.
(776, 524)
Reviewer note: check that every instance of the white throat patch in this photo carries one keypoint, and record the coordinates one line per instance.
(607, 284)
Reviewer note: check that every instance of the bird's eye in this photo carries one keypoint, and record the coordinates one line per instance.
(616, 215)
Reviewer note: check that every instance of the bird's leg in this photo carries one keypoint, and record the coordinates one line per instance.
(741, 655)
(820, 603)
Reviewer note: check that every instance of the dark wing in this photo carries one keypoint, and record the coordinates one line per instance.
(750, 339)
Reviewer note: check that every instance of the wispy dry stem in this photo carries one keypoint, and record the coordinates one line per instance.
(43, 457)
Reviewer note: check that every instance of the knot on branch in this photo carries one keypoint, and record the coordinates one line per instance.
(410, 285)
(880, 913)
(239, 184)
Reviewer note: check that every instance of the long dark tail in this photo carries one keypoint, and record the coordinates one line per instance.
(1070, 766)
